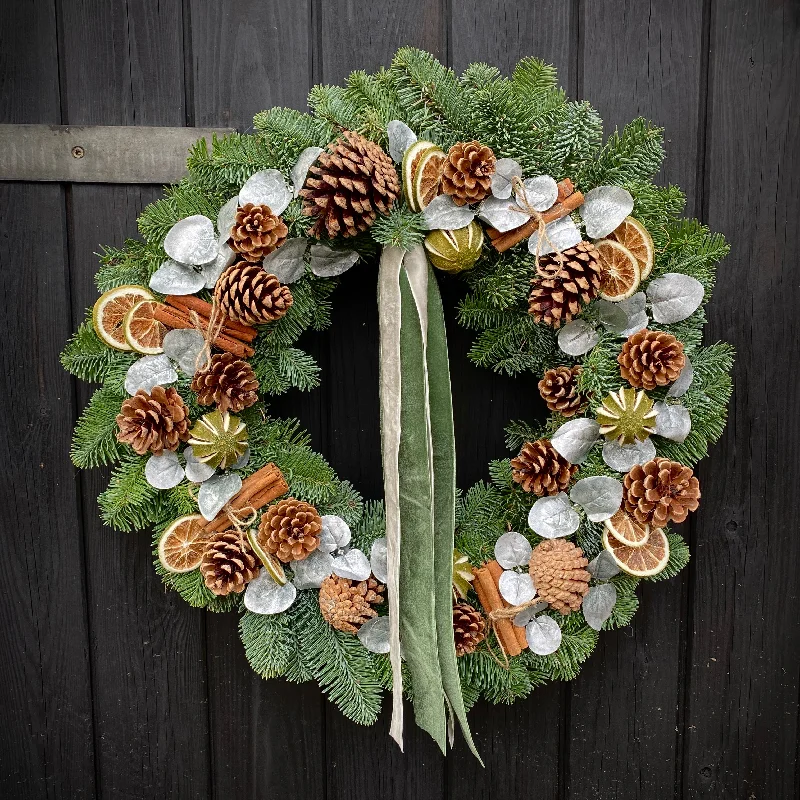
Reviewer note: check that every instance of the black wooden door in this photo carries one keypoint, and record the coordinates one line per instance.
(113, 688)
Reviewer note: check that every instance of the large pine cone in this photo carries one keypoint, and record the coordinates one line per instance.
(249, 294)
(467, 172)
(559, 389)
(541, 469)
(227, 381)
(346, 604)
(651, 358)
(558, 570)
(229, 563)
(153, 422)
(257, 232)
(290, 530)
(349, 185)
(565, 284)
(469, 628)
(660, 491)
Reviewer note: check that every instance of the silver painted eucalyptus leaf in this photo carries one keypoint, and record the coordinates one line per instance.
(598, 604)
(603, 567)
(442, 213)
(401, 137)
(150, 371)
(264, 596)
(673, 421)
(575, 438)
(216, 491)
(539, 193)
(604, 208)
(624, 457)
(266, 188)
(553, 517)
(516, 587)
(502, 214)
(328, 263)
(300, 169)
(625, 317)
(512, 549)
(164, 471)
(561, 234)
(184, 346)
(196, 471)
(174, 278)
(599, 496)
(335, 533)
(287, 263)
(312, 570)
(577, 337)
(681, 386)
(674, 297)
(505, 169)
(544, 635)
(353, 565)
(374, 634)
(191, 241)
(378, 558)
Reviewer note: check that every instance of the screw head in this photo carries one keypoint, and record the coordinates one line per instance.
(78, 151)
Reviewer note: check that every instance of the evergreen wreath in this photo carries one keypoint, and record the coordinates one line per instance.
(579, 271)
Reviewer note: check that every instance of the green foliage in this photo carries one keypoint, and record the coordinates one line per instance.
(268, 642)
(89, 358)
(132, 264)
(401, 227)
(130, 502)
(95, 440)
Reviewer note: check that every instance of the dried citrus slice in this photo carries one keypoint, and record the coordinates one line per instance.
(181, 546)
(620, 278)
(633, 235)
(271, 564)
(422, 164)
(649, 559)
(108, 314)
(143, 332)
(627, 530)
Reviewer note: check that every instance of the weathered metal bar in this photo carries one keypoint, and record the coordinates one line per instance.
(97, 153)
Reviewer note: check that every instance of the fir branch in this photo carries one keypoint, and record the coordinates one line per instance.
(401, 227)
(578, 641)
(267, 640)
(678, 558)
(89, 358)
(95, 440)
(488, 678)
(132, 264)
(627, 602)
(629, 157)
(130, 502)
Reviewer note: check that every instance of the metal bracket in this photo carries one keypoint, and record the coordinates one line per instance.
(97, 153)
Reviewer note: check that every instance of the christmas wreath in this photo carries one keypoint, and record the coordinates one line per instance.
(578, 270)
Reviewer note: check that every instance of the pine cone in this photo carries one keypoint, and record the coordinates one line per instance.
(469, 628)
(348, 186)
(565, 284)
(153, 422)
(347, 605)
(540, 469)
(559, 389)
(467, 173)
(651, 358)
(660, 491)
(227, 381)
(290, 530)
(249, 294)
(257, 232)
(557, 568)
(229, 563)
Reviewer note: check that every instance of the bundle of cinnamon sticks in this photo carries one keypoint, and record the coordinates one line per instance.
(260, 488)
(512, 638)
(567, 201)
(182, 311)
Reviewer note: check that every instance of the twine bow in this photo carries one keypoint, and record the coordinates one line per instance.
(502, 614)
(541, 232)
(216, 323)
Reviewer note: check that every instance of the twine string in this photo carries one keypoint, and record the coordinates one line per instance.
(541, 231)
(216, 323)
(505, 613)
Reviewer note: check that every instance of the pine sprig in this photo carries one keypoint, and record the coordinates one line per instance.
(95, 441)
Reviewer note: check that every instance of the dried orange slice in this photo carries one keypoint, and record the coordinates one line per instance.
(108, 314)
(627, 530)
(181, 546)
(422, 173)
(649, 559)
(620, 277)
(143, 332)
(633, 235)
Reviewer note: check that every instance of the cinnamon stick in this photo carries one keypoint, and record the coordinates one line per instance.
(232, 328)
(260, 488)
(176, 319)
(485, 586)
(496, 571)
(567, 201)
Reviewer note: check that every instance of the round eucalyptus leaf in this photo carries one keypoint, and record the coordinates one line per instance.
(598, 604)
(374, 634)
(544, 635)
(179, 279)
(504, 170)
(191, 241)
(184, 346)
(148, 372)
(442, 213)
(266, 188)
(599, 496)
(335, 533)
(401, 137)
(217, 491)
(603, 567)
(196, 471)
(212, 270)
(559, 235)
(226, 218)
(527, 614)
(328, 263)
(674, 297)
(604, 208)
(681, 386)
(673, 421)
(575, 438)
(624, 457)
(512, 549)
(502, 214)
(624, 317)
(287, 263)
(312, 570)
(577, 337)
(553, 517)
(516, 587)
(164, 471)
(353, 565)
(264, 596)
(378, 559)
(300, 169)
(539, 193)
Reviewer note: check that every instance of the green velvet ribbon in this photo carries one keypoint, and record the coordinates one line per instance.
(419, 479)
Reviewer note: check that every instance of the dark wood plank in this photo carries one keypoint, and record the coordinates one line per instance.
(626, 701)
(519, 743)
(267, 736)
(148, 646)
(47, 743)
(742, 687)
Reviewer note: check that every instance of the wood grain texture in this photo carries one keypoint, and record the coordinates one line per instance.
(742, 685)
(47, 739)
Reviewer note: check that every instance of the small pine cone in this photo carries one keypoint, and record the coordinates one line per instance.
(558, 570)
(467, 172)
(346, 605)
(154, 422)
(540, 469)
(565, 284)
(257, 232)
(651, 358)
(660, 491)
(227, 381)
(351, 182)
(290, 530)
(559, 389)
(229, 563)
(469, 628)
(249, 294)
